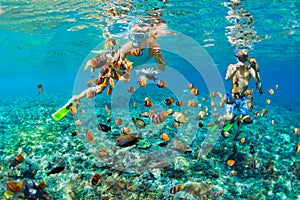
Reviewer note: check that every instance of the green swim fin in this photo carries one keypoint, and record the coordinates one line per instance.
(228, 127)
(62, 112)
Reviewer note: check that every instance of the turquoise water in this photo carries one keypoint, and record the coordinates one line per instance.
(48, 43)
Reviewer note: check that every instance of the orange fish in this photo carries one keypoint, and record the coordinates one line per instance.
(148, 102)
(42, 185)
(164, 137)
(96, 179)
(194, 91)
(233, 173)
(107, 110)
(271, 91)
(242, 141)
(14, 186)
(89, 136)
(297, 148)
(175, 125)
(18, 159)
(73, 110)
(176, 188)
(231, 163)
(162, 84)
(190, 86)
(169, 101)
(118, 122)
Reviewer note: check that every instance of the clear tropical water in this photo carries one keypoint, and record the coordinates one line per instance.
(46, 43)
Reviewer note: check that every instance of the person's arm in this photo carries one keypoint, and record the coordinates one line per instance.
(231, 70)
(256, 76)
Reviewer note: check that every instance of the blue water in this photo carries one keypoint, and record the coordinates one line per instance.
(46, 43)
(36, 47)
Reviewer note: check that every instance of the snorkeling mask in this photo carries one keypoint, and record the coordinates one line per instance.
(137, 38)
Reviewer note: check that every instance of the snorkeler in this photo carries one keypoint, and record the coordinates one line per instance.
(114, 66)
(240, 75)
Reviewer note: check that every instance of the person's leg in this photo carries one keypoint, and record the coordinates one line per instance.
(244, 110)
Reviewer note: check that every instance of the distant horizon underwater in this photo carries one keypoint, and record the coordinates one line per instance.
(174, 148)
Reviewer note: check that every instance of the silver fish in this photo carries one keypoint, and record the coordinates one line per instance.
(147, 70)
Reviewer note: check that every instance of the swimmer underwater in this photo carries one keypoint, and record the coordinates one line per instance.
(240, 75)
(114, 65)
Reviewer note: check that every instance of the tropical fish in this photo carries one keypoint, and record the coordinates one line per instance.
(176, 188)
(126, 140)
(147, 71)
(233, 173)
(89, 136)
(151, 77)
(169, 101)
(162, 84)
(125, 130)
(18, 159)
(104, 127)
(158, 118)
(42, 185)
(131, 89)
(74, 133)
(96, 179)
(164, 136)
(56, 170)
(194, 91)
(73, 110)
(180, 118)
(118, 122)
(231, 163)
(296, 130)
(179, 103)
(158, 164)
(242, 140)
(139, 123)
(148, 102)
(271, 91)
